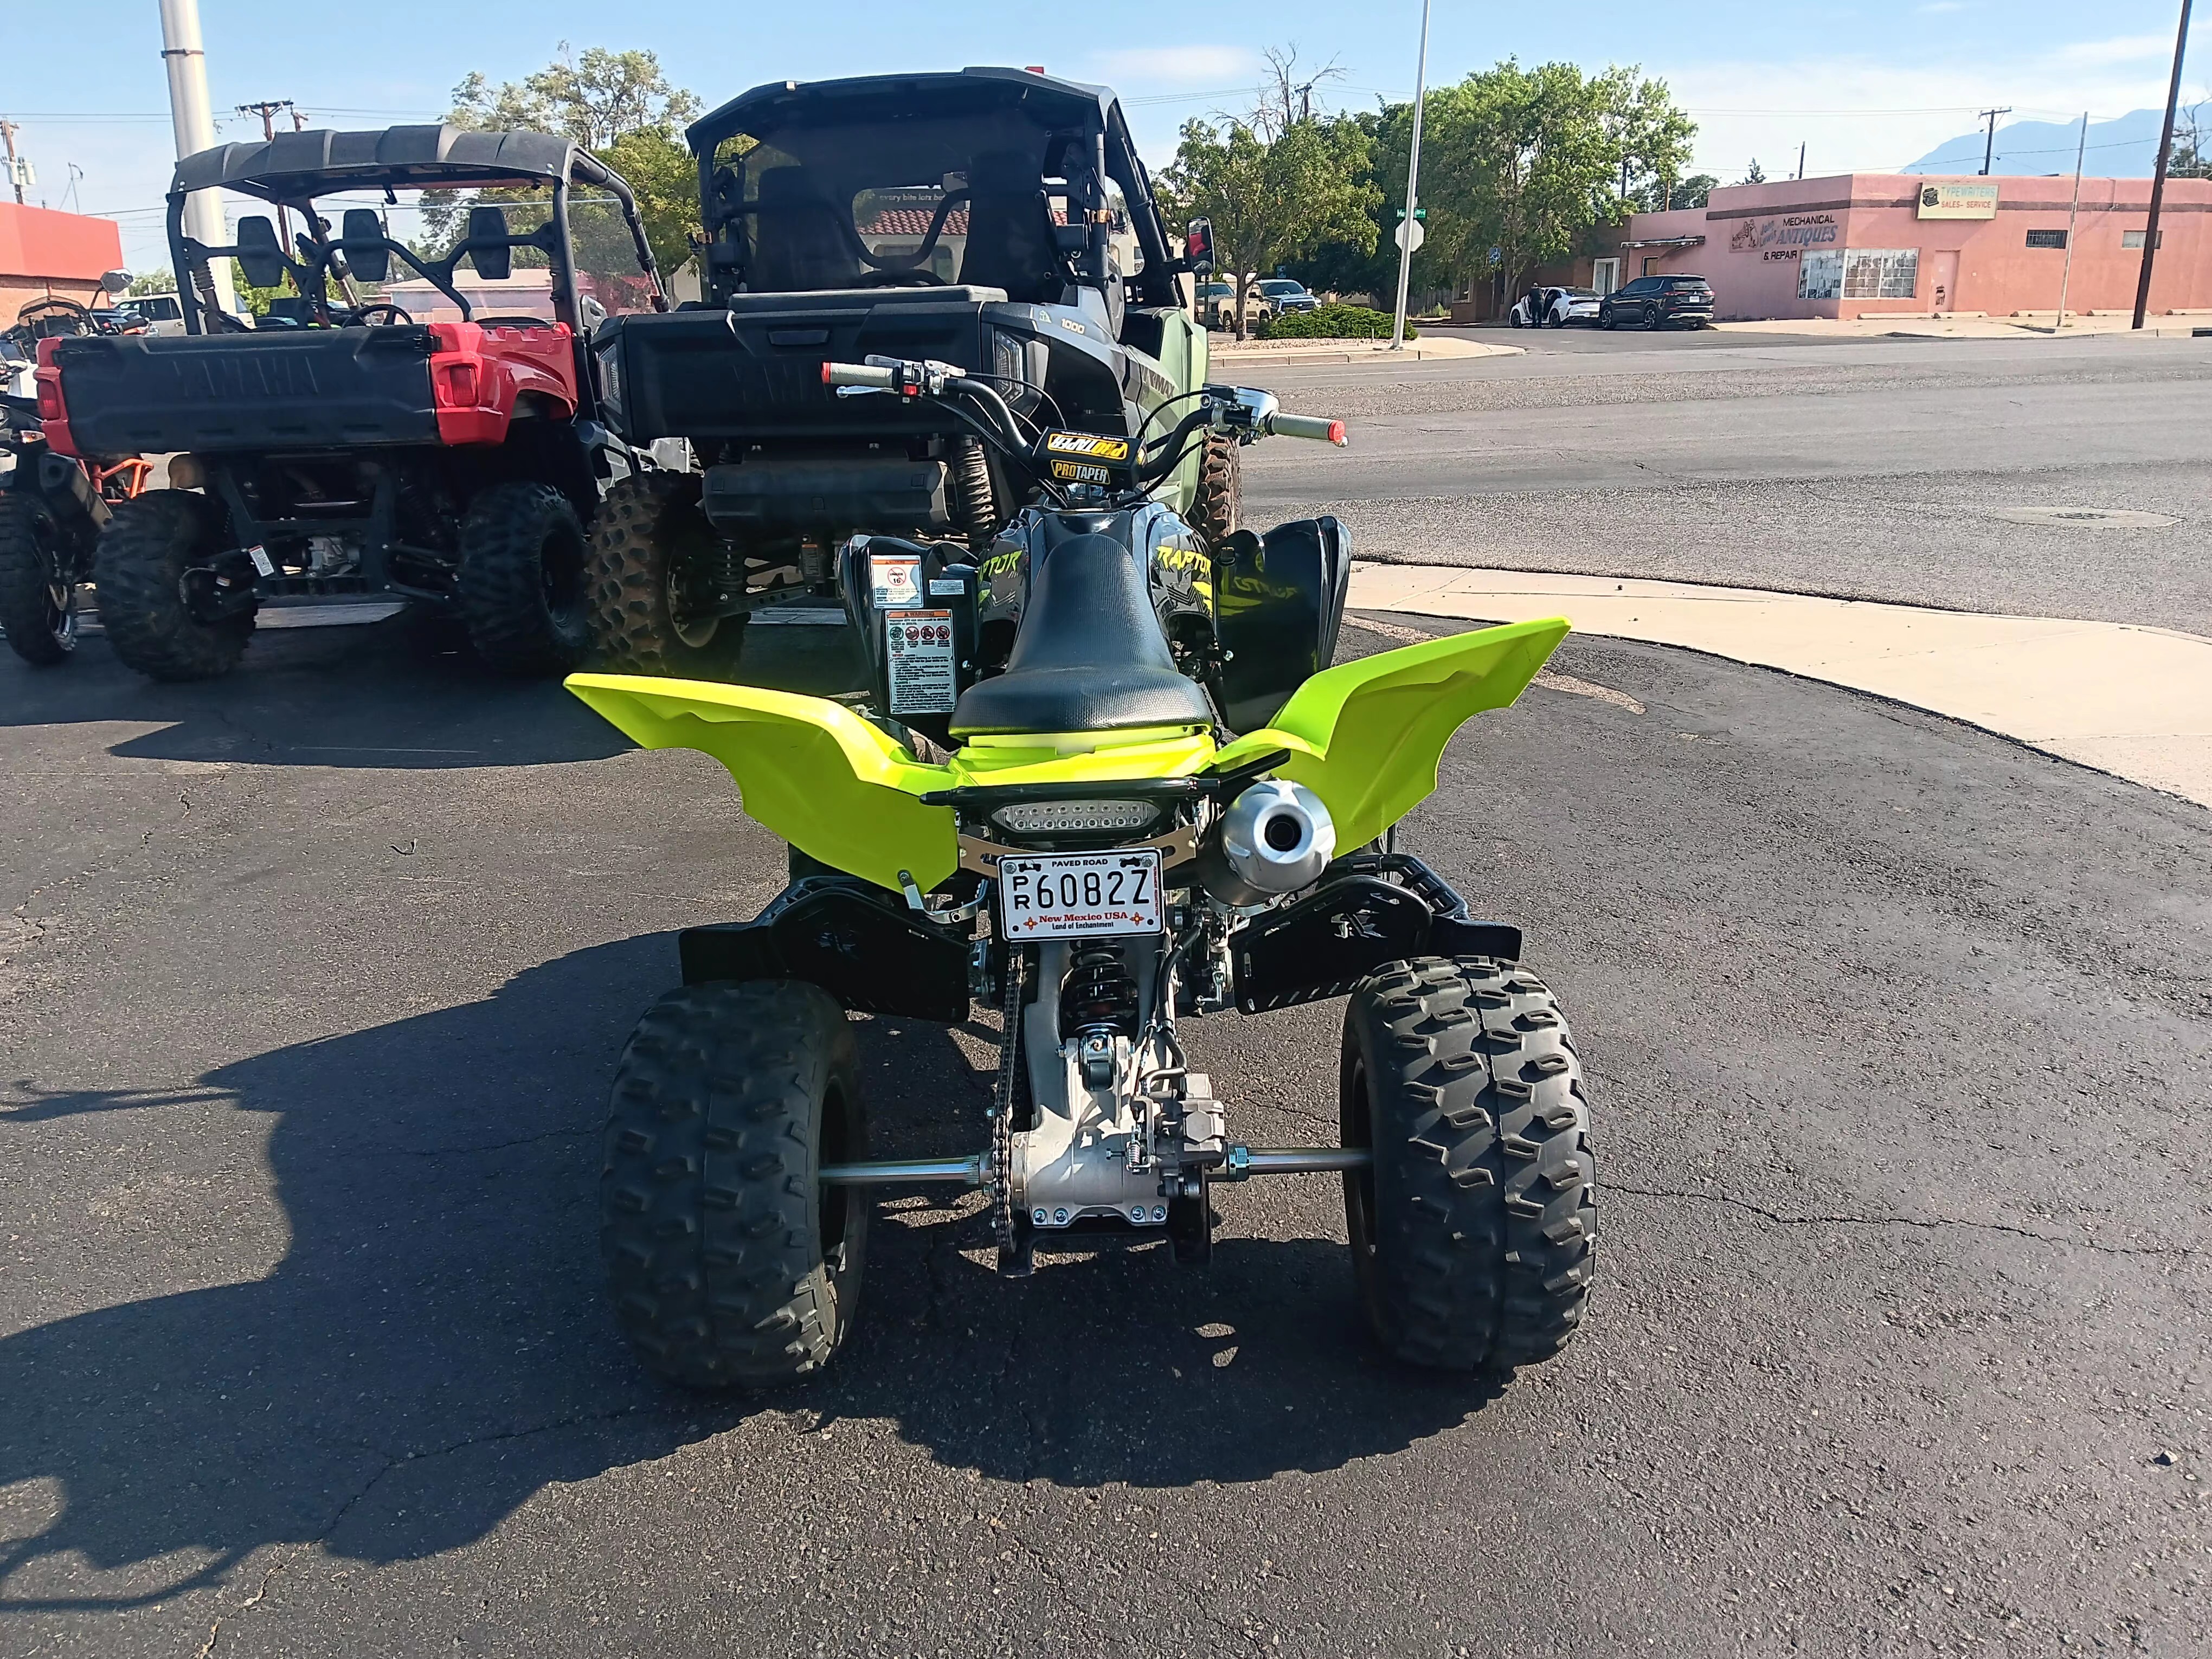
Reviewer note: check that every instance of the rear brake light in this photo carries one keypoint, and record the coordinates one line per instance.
(50, 401)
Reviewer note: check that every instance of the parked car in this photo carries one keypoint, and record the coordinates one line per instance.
(162, 312)
(1656, 301)
(1556, 308)
(1282, 296)
(1218, 300)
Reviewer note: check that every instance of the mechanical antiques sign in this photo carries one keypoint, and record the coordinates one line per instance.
(1976, 201)
(1784, 236)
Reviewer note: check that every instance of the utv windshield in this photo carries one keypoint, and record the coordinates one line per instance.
(975, 199)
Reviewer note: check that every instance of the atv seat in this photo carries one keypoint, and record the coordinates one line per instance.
(1090, 656)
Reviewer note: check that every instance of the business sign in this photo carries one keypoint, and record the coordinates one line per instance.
(1781, 236)
(1958, 202)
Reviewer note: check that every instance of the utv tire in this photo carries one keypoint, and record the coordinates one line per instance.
(1472, 1235)
(140, 563)
(38, 612)
(521, 579)
(730, 1264)
(648, 523)
(1217, 507)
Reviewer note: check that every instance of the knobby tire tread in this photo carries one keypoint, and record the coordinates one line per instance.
(139, 564)
(28, 548)
(510, 533)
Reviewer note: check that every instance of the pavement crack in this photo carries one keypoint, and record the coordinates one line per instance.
(1930, 1224)
(490, 1145)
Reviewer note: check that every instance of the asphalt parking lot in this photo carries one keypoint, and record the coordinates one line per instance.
(314, 977)
(1896, 1031)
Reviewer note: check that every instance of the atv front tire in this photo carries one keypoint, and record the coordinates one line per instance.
(521, 579)
(1473, 1234)
(731, 1265)
(37, 611)
(1216, 509)
(148, 545)
(649, 525)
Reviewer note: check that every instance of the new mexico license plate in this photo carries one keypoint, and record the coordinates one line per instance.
(1079, 895)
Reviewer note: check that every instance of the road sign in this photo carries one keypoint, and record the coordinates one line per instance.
(1410, 234)
(1497, 256)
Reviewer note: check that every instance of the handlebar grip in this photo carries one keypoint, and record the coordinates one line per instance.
(1308, 426)
(859, 374)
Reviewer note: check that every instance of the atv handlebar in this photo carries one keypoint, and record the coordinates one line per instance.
(1304, 426)
(866, 375)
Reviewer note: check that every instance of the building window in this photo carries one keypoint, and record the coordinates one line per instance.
(2048, 238)
(1821, 275)
(2135, 238)
(1881, 273)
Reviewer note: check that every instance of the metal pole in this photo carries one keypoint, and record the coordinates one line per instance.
(186, 61)
(2066, 272)
(7, 131)
(2158, 179)
(1412, 185)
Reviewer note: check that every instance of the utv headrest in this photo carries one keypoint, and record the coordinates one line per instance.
(488, 246)
(368, 256)
(260, 255)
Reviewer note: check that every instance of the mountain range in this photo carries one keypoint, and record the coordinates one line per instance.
(2126, 148)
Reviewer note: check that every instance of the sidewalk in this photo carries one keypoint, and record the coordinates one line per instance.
(2132, 701)
(1975, 325)
(1226, 349)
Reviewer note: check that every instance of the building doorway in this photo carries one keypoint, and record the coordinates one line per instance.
(1605, 274)
(1946, 295)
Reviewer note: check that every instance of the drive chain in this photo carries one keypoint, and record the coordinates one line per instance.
(1002, 1106)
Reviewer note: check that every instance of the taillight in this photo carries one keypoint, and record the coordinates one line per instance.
(461, 384)
(50, 401)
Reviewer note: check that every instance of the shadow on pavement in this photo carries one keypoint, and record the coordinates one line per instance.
(405, 694)
(434, 1350)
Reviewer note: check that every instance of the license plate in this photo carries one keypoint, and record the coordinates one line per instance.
(1079, 895)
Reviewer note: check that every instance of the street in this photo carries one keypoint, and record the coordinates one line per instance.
(1898, 1036)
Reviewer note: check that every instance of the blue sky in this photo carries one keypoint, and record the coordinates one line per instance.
(1867, 86)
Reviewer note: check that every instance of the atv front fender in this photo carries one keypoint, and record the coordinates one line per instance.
(808, 770)
(1366, 736)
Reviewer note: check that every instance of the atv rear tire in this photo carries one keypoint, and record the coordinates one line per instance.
(1217, 508)
(522, 580)
(37, 611)
(1472, 1235)
(647, 524)
(148, 545)
(731, 1265)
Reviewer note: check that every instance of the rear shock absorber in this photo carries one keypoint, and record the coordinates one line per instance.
(1098, 1003)
(971, 490)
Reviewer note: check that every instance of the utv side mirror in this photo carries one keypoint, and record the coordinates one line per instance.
(487, 249)
(260, 255)
(115, 282)
(367, 253)
(1197, 247)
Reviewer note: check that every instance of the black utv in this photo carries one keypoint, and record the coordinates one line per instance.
(995, 220)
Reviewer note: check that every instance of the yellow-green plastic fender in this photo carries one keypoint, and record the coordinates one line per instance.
(810, 770)
(1366, 736)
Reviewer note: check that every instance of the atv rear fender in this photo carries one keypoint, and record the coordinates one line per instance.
(1365, 736)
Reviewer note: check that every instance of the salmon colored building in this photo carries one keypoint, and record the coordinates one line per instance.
(1898, 244)
(44, 252)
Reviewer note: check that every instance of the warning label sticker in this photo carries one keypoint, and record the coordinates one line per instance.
(918, 649)
(894, 579)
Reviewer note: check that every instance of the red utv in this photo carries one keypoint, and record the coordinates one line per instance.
(434, 436)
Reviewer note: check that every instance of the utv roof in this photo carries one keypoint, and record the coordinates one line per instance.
(1063, 103)
(293, 165)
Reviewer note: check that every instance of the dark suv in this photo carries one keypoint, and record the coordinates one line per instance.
(1656, 301)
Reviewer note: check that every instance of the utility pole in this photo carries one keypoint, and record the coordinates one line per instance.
(1989, 149)
(267, 111)
(7, 132)
(185, 60)
(2158, 179)
(2066, 272)
(1412, 185)
(1800, 158)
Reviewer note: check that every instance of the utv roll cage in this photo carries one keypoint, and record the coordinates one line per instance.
(1060, 129)
(294, 169)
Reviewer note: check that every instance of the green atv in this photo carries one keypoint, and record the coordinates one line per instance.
(996, 220)
(1112, 783)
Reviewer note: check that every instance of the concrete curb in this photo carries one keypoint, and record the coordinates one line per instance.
(2133, 701)
(1376, 354)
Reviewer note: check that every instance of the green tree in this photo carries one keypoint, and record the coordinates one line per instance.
(1754, 174)
(2191, 156)
(1273, 201)
(151, 281)
(620, 106)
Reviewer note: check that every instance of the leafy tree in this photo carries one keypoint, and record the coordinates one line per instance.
(2191, 156)
(1695, 192)
(1273, 201)
(1754, 174)
(620, 106)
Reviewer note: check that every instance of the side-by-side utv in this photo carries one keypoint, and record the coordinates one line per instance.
(340, 445)
(994, 220)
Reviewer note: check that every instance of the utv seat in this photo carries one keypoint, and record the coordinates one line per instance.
(799, 240)
(1090, 656)
(1010, 230)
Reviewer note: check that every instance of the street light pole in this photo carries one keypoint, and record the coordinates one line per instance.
(2158, 179)
(1412, 186)
(186, 60)
(2066, 272)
